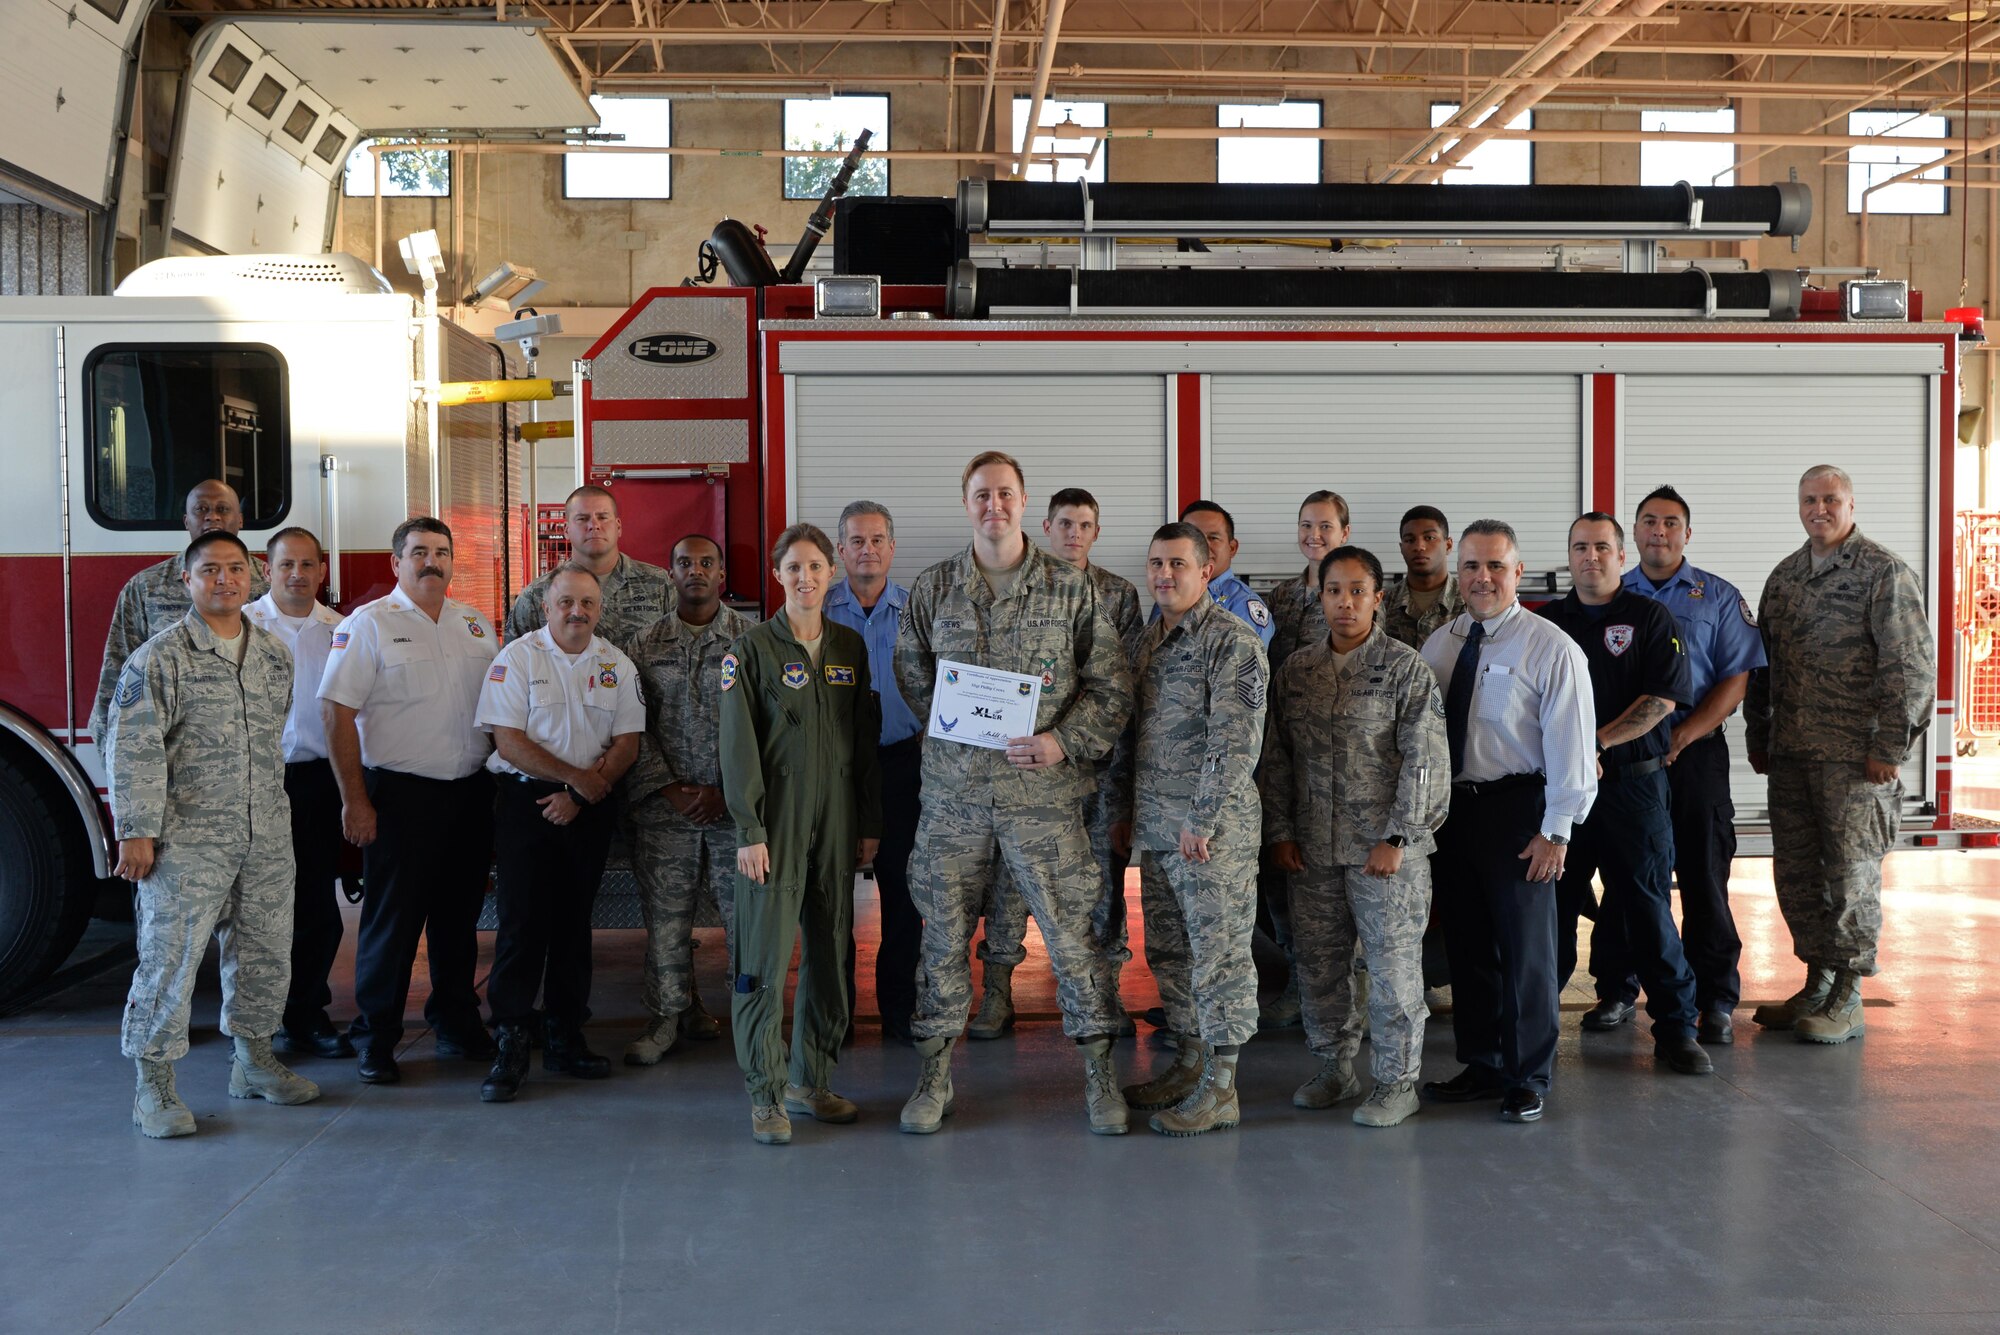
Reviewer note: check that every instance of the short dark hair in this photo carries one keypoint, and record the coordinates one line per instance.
(1182, 531)
(591, 489)
(696, 537)
(207, 540)
(1416, 512)
(1073, 496)
(1210, 508)
(1368, 559)
(296, 532)
(1492, 528)
(1665, 492)
(1598, 517)
(797, 534)
(1324, 497)
(417, 524)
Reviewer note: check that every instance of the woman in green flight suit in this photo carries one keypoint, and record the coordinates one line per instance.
(799, 726)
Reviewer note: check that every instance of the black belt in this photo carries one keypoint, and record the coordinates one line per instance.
(1638, 769)
(1482, 787)
(546, 786)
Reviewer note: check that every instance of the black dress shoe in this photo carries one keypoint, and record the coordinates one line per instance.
(1684, 1055)
(1607, 1015)
(566, 1052)
(322, 1042)
(510, 1067)
(1521, 1105)
(1473, 1083)
(470, 1042)
(1155, 1016)
(378, 1065)
(1718, 1028)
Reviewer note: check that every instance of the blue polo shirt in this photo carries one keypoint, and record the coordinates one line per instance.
(1715, 620)
(877, 627)
(1233, 595)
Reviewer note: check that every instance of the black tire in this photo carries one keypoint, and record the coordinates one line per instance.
(46, 889)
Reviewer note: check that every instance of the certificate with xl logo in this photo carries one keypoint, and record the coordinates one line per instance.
(982, 706)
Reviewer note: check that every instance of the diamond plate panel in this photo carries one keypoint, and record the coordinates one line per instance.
(619, 444)
(617, 374)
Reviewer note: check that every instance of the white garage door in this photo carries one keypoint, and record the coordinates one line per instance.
(1735, 446)
(904, 440)
(1475, 446)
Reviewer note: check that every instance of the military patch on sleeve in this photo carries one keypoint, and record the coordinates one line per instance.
(1437, 702)
(129, 687)
(1260, 615)
(1250, 685)
(1743, 606)
(498, 672)
(729, 666)
(340, 639)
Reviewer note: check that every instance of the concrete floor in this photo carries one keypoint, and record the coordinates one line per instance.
(1848, 1189)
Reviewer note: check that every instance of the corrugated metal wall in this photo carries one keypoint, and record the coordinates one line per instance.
(43, 253)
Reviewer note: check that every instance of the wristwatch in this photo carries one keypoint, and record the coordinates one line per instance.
(1395, 841)
(1559, 840)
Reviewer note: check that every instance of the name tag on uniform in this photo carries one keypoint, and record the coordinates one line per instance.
(1499, 670)
(948, 623)
(839, 676)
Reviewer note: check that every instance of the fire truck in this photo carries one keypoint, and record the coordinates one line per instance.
(1245, 359)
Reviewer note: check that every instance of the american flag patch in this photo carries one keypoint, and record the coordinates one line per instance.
(497, 673)
(340, 639)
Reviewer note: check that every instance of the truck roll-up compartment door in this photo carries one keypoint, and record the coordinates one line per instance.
(904, 440)
(1475, 446)
(1736, 445)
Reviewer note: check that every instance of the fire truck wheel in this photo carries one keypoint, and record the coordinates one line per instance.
(45, 896)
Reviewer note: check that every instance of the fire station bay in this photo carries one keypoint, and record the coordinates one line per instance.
(999, 666)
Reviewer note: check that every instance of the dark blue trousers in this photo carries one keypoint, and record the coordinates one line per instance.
(1500, 930)
(1628, 842)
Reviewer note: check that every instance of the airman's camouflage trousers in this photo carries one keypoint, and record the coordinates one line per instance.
(1003, 941)
(681, 868)
(960, 851)
(1330, 906)
(1199, 919)
(240, 894)
(1829, 831)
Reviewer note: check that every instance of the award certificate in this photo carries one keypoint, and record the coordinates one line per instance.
(981, 706)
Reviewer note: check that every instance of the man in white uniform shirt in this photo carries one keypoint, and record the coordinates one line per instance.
(1522, 729)
(564, 710)
(292, 612)
(398, 698)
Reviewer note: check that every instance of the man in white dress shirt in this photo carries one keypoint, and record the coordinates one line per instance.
(1522, 728)
(293, 612)
(400, 691)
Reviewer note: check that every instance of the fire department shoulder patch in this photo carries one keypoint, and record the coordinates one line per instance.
(607, 675)
(478, 631)
(1617, 639)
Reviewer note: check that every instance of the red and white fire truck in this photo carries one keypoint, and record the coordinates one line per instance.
(1148, 376)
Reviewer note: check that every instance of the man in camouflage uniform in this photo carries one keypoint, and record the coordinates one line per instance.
(635, 594)
(1427, 596)
(1355, 782)
(195, 751)
(155, 598)
(1004, 604)
(1072, 529)
(1199, 723)
(1849, 690)
(683, 843)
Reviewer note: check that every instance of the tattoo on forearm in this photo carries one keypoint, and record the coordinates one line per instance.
(1646, 713)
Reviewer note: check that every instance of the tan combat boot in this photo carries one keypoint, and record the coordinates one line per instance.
(931, 1104)
(1212, 1106)
(696, 1022)
(255, 1074)
(1282, 1011)
(821, 1103)
(1108, 1114)
(1388, 1105)
(1173, 1084)
(1839, 1017)
(996, 1007)
(157, 1109)
(1784, 1014)
(658, 1040)
(769, 1125)
(1334, 1083)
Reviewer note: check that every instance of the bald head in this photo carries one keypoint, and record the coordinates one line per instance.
(212, 507)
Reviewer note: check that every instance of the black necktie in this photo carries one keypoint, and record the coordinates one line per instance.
(1458, 704)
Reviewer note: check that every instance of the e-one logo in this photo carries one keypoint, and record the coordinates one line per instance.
(672, 349)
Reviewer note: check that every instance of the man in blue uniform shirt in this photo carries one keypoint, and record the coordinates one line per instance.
(1723, 648)
(1227, 588)
(869, 602)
